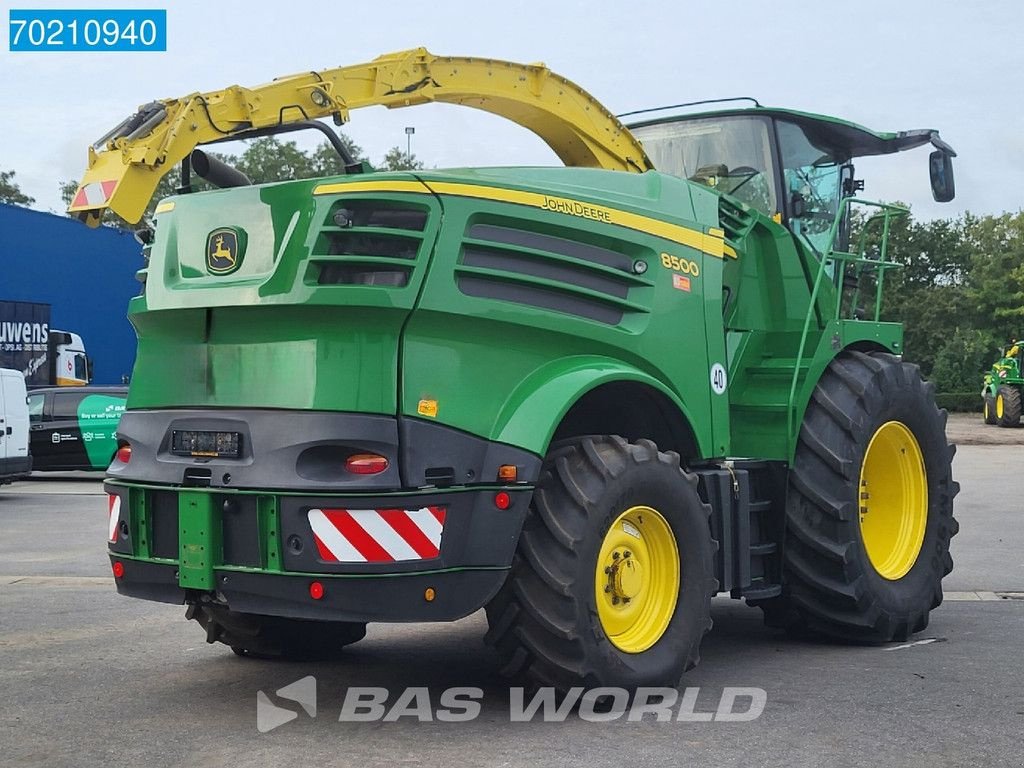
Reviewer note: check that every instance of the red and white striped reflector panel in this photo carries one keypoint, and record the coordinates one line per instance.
(377, 535)
(113, 517)
(96, 193)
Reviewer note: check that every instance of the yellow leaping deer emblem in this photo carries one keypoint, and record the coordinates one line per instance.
(222, 252)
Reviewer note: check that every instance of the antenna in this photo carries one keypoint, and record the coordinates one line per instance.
(690, 104)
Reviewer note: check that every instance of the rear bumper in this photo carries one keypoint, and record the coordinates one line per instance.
(384, 598)
(260, 552)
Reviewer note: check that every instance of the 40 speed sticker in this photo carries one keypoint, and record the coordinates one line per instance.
(718, 378)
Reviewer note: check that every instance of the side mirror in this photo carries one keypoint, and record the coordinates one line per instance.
(798, 205)
(940, 169)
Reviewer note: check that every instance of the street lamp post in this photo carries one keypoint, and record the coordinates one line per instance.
(409, 131)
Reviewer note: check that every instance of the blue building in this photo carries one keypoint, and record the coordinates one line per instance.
(86, 275)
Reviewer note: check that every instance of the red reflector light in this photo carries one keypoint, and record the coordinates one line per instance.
(124, 454)
(502, 500)
(118, 569)
(316, 590)
(366, 464)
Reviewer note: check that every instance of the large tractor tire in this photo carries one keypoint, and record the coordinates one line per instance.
(613, 577)
(869, 514)
(1008, 406)
(990, 410)
(270, 637)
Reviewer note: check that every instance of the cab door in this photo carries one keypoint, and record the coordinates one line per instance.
(64, 432)
(39, 436)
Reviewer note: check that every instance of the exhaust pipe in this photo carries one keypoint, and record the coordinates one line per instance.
(217, 172)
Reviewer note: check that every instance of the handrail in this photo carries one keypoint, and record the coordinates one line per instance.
(887, 211)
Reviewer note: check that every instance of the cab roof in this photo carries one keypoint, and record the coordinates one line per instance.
(849, 139)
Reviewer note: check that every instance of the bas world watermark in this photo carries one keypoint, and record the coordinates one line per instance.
(735, 704)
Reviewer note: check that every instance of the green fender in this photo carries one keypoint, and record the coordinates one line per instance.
(533, 411)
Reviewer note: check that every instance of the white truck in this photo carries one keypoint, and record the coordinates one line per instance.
(15, 461)
(46, 356)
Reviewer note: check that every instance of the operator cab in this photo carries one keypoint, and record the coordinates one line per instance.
(792, 166)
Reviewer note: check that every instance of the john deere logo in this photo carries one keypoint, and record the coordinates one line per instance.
(223, 251)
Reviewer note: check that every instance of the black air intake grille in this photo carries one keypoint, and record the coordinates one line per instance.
(363, 242)
(734, 220)
(548, 272)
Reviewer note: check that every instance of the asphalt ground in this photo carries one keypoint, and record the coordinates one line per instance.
(90, 678)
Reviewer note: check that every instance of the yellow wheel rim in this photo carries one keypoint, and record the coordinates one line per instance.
(999, 406)
(893, 500)
(987, 411)
(637, 579)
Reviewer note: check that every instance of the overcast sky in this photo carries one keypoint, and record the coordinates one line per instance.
(953, 65)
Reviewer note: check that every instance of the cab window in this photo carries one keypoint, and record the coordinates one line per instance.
(35, 407)
(812, 176)
(729, 154)
(81, 368)
(65, 405)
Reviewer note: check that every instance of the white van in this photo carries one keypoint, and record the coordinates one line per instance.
(15, 461)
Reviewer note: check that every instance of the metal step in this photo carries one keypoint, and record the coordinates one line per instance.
(753, 593)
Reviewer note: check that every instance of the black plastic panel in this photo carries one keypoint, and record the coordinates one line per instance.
(542, 298)
(163, 523)
(240, 530)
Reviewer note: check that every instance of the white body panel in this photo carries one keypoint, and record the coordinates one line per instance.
(14, 459)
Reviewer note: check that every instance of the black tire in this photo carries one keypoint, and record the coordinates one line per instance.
(270, 637)
(990, 410)
(829, 584)
(1011, 406)
(544, 621)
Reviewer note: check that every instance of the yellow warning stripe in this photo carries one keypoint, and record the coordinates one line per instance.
(710, 242)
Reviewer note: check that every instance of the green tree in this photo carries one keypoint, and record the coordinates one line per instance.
(10, 192)
(962, 360)
(397, 160)
(996, 282)
(269, 159)
(327, 162)
(929, 293)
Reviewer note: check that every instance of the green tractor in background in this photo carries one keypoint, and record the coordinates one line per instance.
(1002, 388)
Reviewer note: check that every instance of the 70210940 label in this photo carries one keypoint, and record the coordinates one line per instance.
(55, 30)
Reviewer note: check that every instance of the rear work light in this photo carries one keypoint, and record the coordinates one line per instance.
(124, 453)
(366, 464)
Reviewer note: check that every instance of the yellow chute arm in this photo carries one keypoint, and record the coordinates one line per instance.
(126, 164)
